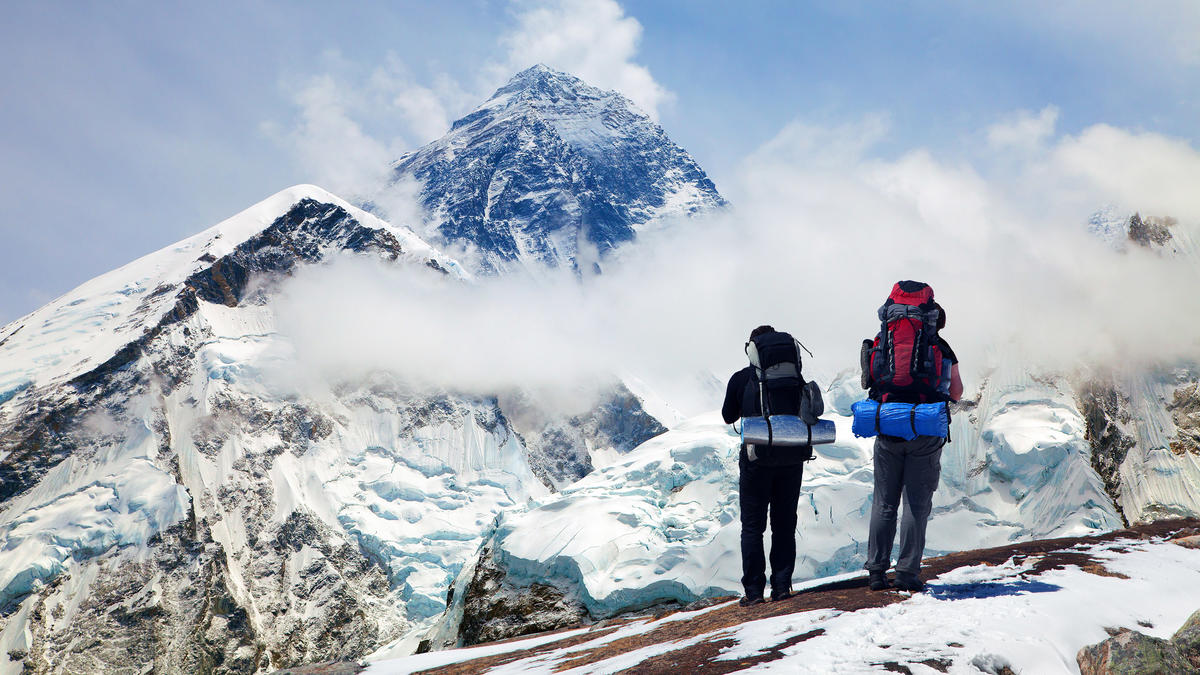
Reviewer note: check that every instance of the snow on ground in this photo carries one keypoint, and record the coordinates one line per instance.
(971, 618)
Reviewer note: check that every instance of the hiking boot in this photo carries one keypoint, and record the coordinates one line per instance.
(878, 580)
(909, 582)
(783, 594)
(747, 601)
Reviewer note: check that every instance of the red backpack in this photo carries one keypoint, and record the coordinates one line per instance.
(904, 362)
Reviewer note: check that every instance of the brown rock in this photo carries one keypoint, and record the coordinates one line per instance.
(1189, 542)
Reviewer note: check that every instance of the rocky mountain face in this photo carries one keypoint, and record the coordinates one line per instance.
(551, 171)
(165, 500)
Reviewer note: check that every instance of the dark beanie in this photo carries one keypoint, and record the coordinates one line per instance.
(760, 331)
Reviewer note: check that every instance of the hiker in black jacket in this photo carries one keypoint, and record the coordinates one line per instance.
(769, 482)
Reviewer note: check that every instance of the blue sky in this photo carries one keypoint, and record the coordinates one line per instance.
(127, 126)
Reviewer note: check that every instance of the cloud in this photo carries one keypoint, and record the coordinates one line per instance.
(592, 39)
(352, 123)
(331, 146)
(823, 226)
(425, 111)
(1141, 170)
(1024, 130)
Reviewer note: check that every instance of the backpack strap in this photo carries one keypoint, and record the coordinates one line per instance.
(948, 420)
(761, 376)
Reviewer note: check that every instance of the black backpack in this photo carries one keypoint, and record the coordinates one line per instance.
(782, 390)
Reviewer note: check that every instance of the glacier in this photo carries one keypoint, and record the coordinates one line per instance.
(661, 525)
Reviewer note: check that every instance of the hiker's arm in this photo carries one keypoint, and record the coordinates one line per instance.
(731, 410)
(956, 386)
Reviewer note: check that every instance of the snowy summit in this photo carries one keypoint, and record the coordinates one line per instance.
(552, 171)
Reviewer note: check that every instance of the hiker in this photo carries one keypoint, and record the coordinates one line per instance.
(769, 476)
(908, 362)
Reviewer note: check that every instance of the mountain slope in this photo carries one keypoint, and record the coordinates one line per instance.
(551, 171)
(1143, 422)
(170, 494)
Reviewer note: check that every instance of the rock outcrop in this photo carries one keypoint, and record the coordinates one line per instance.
(1130, 652)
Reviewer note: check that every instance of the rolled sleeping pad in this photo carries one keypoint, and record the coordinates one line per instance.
(786, 430)
(905, 420)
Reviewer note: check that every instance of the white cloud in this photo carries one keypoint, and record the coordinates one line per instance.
(1142, 170)
(351, 125)
(592, 39)
(823, 226)
(1024, 130)
(330, 145)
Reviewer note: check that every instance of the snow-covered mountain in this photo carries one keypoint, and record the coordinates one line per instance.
(551, 171)
(166, 498)
(1144, 423)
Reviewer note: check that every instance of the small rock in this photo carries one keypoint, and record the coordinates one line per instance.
(1188, 542)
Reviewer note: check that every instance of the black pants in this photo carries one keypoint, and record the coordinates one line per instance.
(775, 489)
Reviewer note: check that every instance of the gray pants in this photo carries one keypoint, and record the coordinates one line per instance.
(908, 468)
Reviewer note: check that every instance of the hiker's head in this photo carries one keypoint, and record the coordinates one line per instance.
(941, 315)
(761, 330)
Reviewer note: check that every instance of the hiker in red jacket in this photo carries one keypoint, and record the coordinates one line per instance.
(909, 362)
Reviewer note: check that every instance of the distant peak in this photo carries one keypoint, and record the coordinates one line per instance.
(536, 69)
(542, 82)
(541, 72)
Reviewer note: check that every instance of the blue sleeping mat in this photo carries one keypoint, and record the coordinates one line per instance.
(905, 420)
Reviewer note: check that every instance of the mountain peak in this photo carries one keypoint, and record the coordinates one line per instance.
(566, 163)
(544, 87)
(541, 75)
